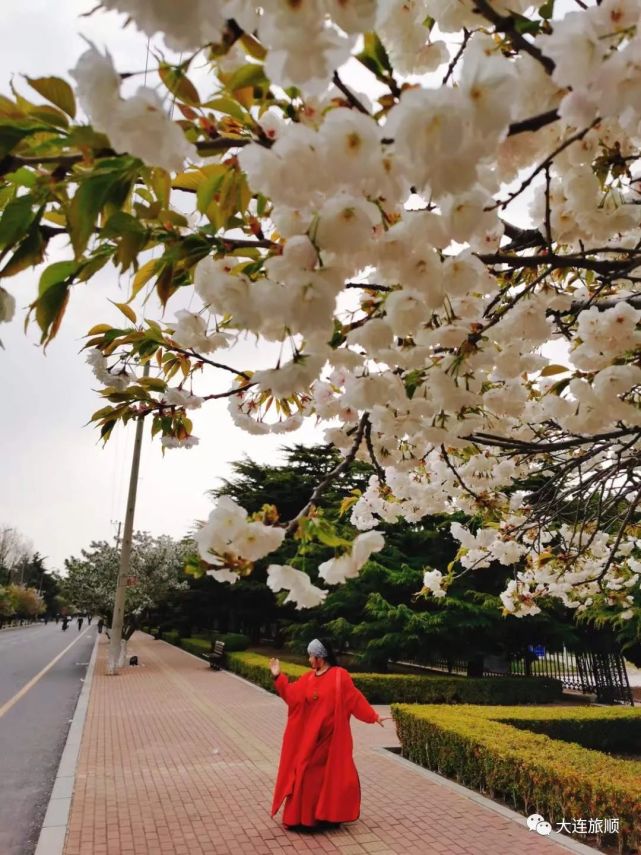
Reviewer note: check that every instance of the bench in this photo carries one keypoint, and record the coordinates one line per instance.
(216, 656)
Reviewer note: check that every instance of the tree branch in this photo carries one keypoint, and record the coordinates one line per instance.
(533, 124)
(345, 463)
(546, 163)
(353, 100)
(507, 25)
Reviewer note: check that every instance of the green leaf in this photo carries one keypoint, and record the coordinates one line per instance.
(546, 11)
(154, 383)
(59, 271)
(23, 177)
(51, 115)
(179, 84)
(525, 25)
(122, 223)
(93, 194)
(209, 187)
(53, 291)
(374, 46)
(16, 220)
(230, 108)
(249, 75)
(12, 133)
(29, 252)
(56, 90)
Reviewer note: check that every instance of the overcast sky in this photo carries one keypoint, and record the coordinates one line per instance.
(60, 487)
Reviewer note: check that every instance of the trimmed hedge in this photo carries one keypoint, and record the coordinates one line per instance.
(197, 646)
(487, 749)
(233, 640)
(408, 688)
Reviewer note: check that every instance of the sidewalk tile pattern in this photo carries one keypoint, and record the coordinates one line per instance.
(179, 760)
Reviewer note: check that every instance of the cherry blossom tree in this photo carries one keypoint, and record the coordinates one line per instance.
(157, 573)
(446, 254)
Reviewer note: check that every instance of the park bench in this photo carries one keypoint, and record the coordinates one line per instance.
(215, 656)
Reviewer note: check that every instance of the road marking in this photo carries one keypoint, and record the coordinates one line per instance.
(23, 691)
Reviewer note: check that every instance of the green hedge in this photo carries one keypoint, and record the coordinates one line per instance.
(233, 640)
(486, 748)
(589, 732)
(197, 646)
(391, 688)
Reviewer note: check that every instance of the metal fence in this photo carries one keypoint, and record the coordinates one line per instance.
(600, 673)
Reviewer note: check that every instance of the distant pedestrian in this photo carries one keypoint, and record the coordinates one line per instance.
(46, 619)
(65, 623)
(101, 624)
(79, 623)
(57, 619)
(89, 619)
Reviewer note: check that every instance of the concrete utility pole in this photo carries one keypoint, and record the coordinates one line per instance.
(115, 643)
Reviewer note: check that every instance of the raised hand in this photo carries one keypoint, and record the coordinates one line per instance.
(274, 667)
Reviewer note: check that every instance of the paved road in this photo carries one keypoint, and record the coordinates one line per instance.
(34, 723)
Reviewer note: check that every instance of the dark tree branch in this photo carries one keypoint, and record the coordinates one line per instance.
(345, 463)
(380, 472)
(534, 123)
(456, 474)
(507, 25)
(450, 68)
(523, 447)
(192, 353)
(546, 163)
(353, 100)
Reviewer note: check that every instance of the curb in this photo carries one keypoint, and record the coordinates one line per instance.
(54, 828)
(559, 839)
(23, 626)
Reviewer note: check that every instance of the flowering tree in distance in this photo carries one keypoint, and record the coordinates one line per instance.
(413, 248)
(157, 573)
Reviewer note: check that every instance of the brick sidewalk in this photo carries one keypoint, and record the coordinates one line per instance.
(178, 760)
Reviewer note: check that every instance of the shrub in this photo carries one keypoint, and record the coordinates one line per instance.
(172, 636)
(487, 749)
(197, 646)
(409, 688)
(233, 640)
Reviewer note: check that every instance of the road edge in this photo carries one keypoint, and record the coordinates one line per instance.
(54, 827)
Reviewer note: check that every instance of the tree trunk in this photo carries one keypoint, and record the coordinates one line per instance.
(122, 659)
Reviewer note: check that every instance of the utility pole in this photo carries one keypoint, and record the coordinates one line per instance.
(115, 643)
(118, 532)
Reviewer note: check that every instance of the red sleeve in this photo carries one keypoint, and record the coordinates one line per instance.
(357, 704)
(291, 693)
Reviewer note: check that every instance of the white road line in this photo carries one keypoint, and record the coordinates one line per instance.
(23, 691)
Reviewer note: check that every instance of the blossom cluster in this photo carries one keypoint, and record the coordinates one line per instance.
(373, 237)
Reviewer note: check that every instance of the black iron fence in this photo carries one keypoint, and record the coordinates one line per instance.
(590, 672)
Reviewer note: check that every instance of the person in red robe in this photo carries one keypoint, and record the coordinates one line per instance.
(317, 778)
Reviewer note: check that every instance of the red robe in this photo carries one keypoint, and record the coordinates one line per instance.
(317, 776)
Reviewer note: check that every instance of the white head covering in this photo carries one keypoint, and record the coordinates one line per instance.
(317, 648)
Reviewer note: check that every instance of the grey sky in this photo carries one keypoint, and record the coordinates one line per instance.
(59, 486)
